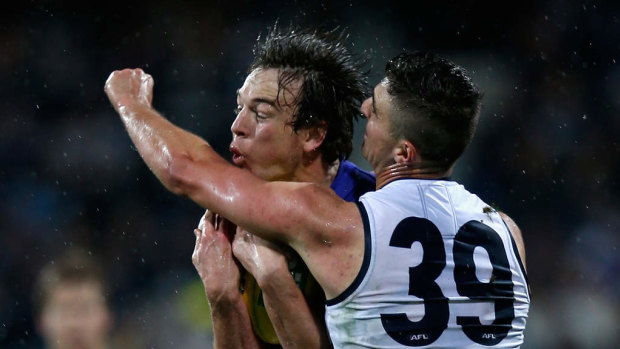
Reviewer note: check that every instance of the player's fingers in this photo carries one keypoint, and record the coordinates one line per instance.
(217, 222)
(222, 224)
(202, 219)
(146, 86)
(210, 217)
(106, 86)
(207, 222)
(228, 228)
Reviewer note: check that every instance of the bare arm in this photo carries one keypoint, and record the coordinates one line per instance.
(516, 234)
(298, 322)
(159, 142)
(188, 166)
(231, 325)
(220, 275)
(285, 211)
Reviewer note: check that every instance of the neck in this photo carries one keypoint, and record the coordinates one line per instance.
(409, 170)
(317, 172)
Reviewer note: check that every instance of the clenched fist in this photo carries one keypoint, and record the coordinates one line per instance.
(129, 88)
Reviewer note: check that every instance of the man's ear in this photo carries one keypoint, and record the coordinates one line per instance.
(314, 136)
(405, 152)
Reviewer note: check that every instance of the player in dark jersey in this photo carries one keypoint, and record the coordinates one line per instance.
(266, 141)
(294, 122)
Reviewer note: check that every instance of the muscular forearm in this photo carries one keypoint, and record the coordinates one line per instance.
(186, 165)
(295, 323)
(161, 143)
(231, 325)
(163, 146)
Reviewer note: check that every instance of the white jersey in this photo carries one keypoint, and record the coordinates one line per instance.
(440, 270)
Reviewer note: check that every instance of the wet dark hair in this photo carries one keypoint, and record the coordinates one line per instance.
(333, 84)
(436, 105)
(74, 266)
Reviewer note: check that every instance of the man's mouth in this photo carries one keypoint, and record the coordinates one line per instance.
(237, 157)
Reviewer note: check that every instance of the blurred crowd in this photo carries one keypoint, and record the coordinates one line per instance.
(547, 150)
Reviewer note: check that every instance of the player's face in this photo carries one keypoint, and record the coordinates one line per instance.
(378, 144)
(263, 138)
(75, 316)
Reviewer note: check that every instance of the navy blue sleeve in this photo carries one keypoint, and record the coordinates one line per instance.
(351, 182)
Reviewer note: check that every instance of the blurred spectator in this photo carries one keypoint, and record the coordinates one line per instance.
(70, 303)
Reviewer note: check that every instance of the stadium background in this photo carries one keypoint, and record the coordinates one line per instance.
(546, 152)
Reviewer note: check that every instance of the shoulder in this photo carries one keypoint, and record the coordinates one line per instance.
(512, 226)
(515, 231)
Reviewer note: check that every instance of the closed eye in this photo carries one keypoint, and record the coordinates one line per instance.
(259, 115)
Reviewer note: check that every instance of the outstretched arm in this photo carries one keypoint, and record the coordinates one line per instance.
(160, 143)
(220, 275)
(284, 211)
(186, 164)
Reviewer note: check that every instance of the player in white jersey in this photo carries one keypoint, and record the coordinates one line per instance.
(441, 271)
(420, 262)
(441, 267)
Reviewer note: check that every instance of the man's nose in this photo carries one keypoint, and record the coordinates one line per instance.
(239, 127)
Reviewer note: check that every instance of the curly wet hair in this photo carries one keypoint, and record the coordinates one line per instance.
(333, 84)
